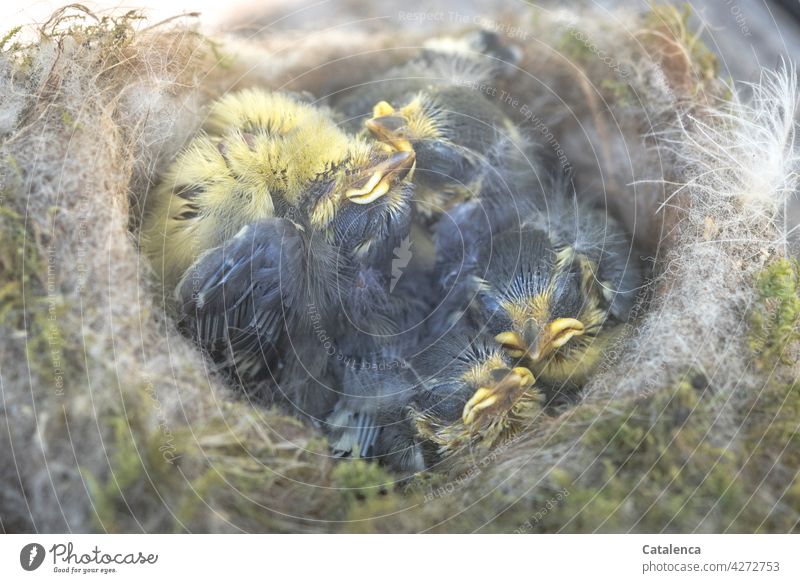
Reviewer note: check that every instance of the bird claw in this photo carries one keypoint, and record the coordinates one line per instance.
(499, 397)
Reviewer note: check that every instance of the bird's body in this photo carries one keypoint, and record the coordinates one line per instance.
(466, 147)
(370, 419)
(269, 226)
(408, 413)
(264, 155)
(553, 291)
(459, 365)
(406, 322)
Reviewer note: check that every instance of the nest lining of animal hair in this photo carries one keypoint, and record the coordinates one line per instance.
(113, 421)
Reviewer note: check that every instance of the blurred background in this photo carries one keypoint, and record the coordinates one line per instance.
(746, 34)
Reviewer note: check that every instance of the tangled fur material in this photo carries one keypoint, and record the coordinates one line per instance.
(112, 421)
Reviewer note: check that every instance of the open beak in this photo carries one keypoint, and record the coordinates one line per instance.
(389, 130)
(382, 177)
(555, 335)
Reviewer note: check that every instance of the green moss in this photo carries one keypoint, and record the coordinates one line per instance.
(361, 480)
(31, 304)
(223, 59)
(69, 121)
(228, 469)
(79, 22)
(771, 450)
(367, 493)
(619, 92)
(775, 317)
(657, 465)
(8, 36)
(666, 21)
(573, 47)
(13, 276)
(661, 464)
(125, 469)
(652, 464)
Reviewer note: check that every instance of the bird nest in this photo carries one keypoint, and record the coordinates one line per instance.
(113, 421)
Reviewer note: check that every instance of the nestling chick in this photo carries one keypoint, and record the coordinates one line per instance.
(413, 414)
(267, 154)
(265, 225)
(469, 393)
(553, 292)
(465, 145)
(370, 420)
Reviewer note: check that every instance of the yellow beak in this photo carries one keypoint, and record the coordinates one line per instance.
(555, 335)
(499, 396)
(383, 176)
(389, 130)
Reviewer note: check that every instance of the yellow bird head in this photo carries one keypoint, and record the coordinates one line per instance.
(544, 308)
(264, 154)
(461, 141)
